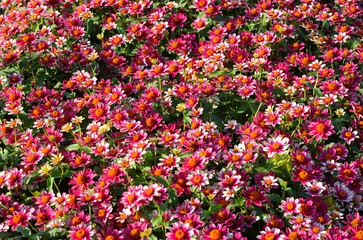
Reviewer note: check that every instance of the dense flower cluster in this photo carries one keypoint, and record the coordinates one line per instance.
(204, 119)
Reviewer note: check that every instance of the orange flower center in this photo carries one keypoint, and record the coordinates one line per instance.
(41, 217)
(330, 54)
(332, 86)
(359, 235)
(18, 218)
(81, 179)
(293, 236)
(118, 116)
(348, 134)
(215, 234)
(304, 175)
(149, 191)
(76, 221)
(99, 112)
(183, 211)
(179, 234)
(355, 222)
(197, 179)
(80, 233)
(110, 237)
(290, 206)
(192, 162)
(229, 181)
(305, 61)
(275, 146)
(254, 195)
(254, 134)
(169, 161)
(158, 172)
(45, 199)
(347, 173)
(131, 198)
(321, 128)
(150, 122)
(101, 213)
(342, 194)
(180, 184)
(270, 236)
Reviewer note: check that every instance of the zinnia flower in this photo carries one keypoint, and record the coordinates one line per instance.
(321, 128)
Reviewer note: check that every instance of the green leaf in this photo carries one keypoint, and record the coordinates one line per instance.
(216, 208)
(173, 196)
(152, 237)
(6, 235)
(217, 73)
(37, 236)
(205, 215)
(50, 182)
(275, 198)
(56, 174)
(73, 147)
(53, 233)
(241, 109)
(86, 149)
(156, 221)
(284, 43)
(278, 92)
(161, 180)
(14, 238)
(26, 232)
(199, 75)
(235, 203)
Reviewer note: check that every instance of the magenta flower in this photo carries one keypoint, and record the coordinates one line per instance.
(214, 232)
(290, 206)
(81, 232)
(348, 135)
(321, 129)
(180, 231)
(82, 179)
(99, 112)
(277, 145)
(270, 233)
(254, 197)
(20, 218)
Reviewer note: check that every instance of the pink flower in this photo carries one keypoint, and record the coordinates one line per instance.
(113, 173)
(347, 172)
(348, 135)
(82, 179)
(213, 232)
(277, 145)
(14, 178)
(102, 213)
(198, 179)
(290, 206)
(133, 198)
(180, 231)
(200, 23)
(332, 55)
(81, 232)
(99, 112)
(342, 192)
(321, 128)
(254, 197)
(270, 233)
(44, 199)
(155, 192)
(20, 218)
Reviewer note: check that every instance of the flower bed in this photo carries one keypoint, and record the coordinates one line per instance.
(181, 120)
